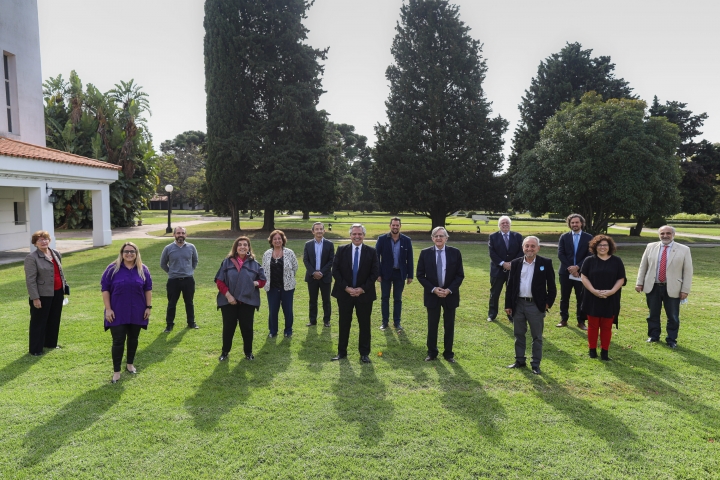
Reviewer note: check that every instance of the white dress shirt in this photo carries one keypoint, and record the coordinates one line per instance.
(526, 277)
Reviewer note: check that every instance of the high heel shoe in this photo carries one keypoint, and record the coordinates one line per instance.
(133, 371)
(113, 379)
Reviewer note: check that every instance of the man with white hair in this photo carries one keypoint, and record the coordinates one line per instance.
(665, 275)
(504, 247)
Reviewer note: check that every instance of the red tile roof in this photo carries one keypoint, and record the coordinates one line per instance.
(14, 148)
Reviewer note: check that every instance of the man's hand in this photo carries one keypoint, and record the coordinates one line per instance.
(441, 292)
(638, 288)
(683, 295)
(506, 266)
(508, 311)
(379, 279)
(574, 270)
(317, 275)
(409, 281)
(354, 292)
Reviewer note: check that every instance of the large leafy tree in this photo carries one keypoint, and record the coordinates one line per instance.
(353, 163)
(562, 77)
(440, 148)
(266, 139)
(187, 153)
(603, 160)
(106, 126)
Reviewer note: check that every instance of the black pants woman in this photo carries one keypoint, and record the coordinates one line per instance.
(233, 315)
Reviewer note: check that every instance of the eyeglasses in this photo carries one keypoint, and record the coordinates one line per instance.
(129, 252)
(603, 245)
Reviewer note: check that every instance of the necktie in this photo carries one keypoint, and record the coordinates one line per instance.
(663, 265)
(439, 263)
(576, 240)
(355, 265)
(507, 241)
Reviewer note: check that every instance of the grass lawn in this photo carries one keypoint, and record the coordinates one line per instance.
(651, 413)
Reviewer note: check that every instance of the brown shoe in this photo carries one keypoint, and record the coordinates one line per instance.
(562, 324)
(582, 326)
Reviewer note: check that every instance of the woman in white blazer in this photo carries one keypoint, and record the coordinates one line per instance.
(280, 266)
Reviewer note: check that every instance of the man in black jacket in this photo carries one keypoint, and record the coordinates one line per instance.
(318, 258)
(572, 251)
(504, 247)
(530, 293)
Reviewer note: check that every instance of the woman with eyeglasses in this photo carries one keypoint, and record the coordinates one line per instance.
(238, 281)
(127, 295)
(45, 281)
(603, 276)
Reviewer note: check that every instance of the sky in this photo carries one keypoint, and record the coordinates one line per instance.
(666, 48)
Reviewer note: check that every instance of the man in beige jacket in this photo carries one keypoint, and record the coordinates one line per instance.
(665, 275)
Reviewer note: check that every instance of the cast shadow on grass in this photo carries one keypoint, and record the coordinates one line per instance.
(698, 359)
(362, 399)
(224, 389)
(159, 349)
(550, 351)
(317, 347)
(76, 416)
(13, 370)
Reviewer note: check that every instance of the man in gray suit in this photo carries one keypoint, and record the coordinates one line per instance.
(665, 275)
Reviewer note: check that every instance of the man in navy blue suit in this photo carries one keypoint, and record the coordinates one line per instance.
(395, 255)
(440, 272)
(504, 247)
(318, 258)
(572, 251)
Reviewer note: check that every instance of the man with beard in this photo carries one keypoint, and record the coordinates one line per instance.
(179, 260)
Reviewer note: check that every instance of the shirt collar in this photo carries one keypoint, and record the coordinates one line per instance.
(320, 242)
(531, 263)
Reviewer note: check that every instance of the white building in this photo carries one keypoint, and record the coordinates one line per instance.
(28, 170)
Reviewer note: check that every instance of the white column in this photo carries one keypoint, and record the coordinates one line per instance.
(102, 234)
(41, 213)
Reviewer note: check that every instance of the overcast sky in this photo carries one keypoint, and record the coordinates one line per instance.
(666, 48)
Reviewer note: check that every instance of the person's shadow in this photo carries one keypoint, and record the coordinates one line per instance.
(13, 370)
(78, 415)
(159, 349)
(233, 381)
(317, 347)
(360, 398)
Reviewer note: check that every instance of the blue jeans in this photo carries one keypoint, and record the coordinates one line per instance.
(397, 284)
(277, 297)
(655, 300)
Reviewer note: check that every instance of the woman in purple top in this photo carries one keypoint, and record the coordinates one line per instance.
(127, 294)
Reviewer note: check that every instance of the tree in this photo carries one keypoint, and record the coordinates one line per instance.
(440, 148)
(352, 164)
(187, 152)
(106, 126)
(603, 160)
(562, 77)
(266, 138)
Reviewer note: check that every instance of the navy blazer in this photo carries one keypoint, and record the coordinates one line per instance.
(566, 249)
(368, 272)
(543, 286)
(326, 260)
(427, 276)
(385, 256)
(498, 252)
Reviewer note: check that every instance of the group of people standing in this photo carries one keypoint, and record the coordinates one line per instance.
(588, 266)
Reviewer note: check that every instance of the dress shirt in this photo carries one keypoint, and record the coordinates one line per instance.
(444, 270)
(662, 247)
(318, 254)
(526, 277)
(352, 257)
(396, 252)
(576, 242)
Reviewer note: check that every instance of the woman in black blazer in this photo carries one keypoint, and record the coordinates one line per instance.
(46, 285)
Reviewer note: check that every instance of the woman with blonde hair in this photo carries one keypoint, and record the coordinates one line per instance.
(279, 264)
(238, 281)
(127, 295)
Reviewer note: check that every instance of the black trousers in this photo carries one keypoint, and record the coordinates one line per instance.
(120, 335)
(448, 326)
(176, 286)
(363, 311)
(45, 322)
(496, 288)
(315, 286)
(232, 315)
(566, 288)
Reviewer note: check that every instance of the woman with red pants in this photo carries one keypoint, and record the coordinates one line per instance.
(603, 275)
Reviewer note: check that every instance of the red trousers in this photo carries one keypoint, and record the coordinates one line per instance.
(604, 325)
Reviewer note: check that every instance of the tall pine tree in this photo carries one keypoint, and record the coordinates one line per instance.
(440, 149)
(266, 138)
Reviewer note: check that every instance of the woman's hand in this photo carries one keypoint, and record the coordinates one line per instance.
(37, 303)
(256, 283)
(147, 313)
(230, 298)
(109, 315)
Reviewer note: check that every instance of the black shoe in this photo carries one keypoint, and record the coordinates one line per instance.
(193, 326)
(223, 357)
(672, 345)
(450, 360)
(250, 357)
(593, 353)
(168, 330)
(518, 365)
(272, 335)
(364, 359)
(652, 340)
(430, 358)
(536, 370)
(326, 324)
(338, 357)
(398, 329)
(288, 335)
(604, 355)
(563, 323)
(383, 327)
(311, 324)
(36, 354)
(581, 326)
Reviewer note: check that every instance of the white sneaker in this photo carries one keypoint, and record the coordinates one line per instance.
(489, 319)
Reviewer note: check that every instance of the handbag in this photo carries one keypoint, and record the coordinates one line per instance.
(67, 289)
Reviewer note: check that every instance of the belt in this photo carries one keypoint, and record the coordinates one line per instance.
(180, 278)
(527, 299)
(660, 283)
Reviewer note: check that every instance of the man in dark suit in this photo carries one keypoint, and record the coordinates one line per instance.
(318, 259)
(395, 255)
(440, 272)
(572, 251)
(504, 246)
(355, 270)
(530, 293)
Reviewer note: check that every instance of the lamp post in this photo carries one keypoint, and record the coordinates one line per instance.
(169, 189)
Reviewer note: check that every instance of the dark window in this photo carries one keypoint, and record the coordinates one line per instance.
(7, 92)
(20, 218)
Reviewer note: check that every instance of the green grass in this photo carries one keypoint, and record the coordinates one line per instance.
(651, 413)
